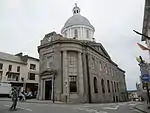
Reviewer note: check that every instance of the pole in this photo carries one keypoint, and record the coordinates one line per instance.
(148, 93)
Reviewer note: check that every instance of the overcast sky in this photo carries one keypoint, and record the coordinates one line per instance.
(23, 23)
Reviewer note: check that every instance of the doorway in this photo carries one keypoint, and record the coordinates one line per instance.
(48, 89)
(116, 98)
(113, 98)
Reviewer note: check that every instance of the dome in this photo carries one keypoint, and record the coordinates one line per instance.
(77, 20)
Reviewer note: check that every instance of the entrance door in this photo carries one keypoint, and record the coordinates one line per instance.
(48, 89)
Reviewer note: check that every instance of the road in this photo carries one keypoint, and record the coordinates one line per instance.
(62, 108)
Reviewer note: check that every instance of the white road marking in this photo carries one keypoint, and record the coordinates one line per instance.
(89, 110)
(111, 108)
(135, 110)
(20, 108)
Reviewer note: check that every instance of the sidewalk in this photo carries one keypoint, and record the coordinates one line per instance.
(142, 107)
(35, 101)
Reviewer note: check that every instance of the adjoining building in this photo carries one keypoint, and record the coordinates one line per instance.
(19, 70)
(141, 87)
(75, 68)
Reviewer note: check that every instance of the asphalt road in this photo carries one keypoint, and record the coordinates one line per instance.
(62, 108)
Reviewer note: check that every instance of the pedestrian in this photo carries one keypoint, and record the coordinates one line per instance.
(14, 98)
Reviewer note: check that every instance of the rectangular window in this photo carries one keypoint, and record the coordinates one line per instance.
(18, 68)
(1, 66)
(13, 77)
(72, 63)
(112, 86)
(108, 86)
(31, 76)
(100, 66)
(93, 63)
(10, 67)
(73, 84)
(106, 69)
(49, 61)
(1, 75)
(112, 72)
(115, 86)
(33, 66)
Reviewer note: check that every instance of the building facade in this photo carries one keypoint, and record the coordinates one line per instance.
(75, 68)
(146, 22)
(19, 70)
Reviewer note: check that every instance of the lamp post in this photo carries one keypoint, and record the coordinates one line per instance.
(141, 34)
(144, 75)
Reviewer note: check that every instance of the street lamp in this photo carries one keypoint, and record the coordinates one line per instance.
(141, 34)
(143, 68)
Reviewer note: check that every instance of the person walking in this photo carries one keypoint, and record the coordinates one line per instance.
(14, 98)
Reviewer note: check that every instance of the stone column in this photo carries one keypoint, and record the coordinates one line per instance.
(41, 90)
(80, 71)
(65, 73)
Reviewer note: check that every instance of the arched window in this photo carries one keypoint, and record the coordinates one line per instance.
(108, 86)
(95, 85)
(76, 33)
(103, 86)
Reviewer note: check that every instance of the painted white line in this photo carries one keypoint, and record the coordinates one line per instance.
(135, 110)
(20, 108)
(111, 108)
(89, 110)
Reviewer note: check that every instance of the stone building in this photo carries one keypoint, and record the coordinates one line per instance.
(75, 68)
(19, 70)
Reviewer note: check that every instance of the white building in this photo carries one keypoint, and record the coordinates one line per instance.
(75, 68)
(19, 70)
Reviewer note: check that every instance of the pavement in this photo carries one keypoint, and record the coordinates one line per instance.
(142, 107)
(34, 101)
(24, 107)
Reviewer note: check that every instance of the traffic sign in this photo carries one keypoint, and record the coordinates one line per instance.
(145, 78)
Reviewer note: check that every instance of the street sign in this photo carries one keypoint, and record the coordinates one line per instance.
(145, 78)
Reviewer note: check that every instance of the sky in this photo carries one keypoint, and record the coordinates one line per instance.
(23, 23)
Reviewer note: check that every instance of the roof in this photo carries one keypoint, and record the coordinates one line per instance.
(77, 20)
(21, 55)
(10, 57)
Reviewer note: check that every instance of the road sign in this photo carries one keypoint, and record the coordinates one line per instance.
(145, 78)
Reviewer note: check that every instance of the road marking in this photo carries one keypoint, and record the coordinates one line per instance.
(135, 110)
(20, 108)
(89, 110)
(112, 108)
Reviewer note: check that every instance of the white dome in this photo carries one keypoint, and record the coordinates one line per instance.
(77, 20)
(78, 27)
